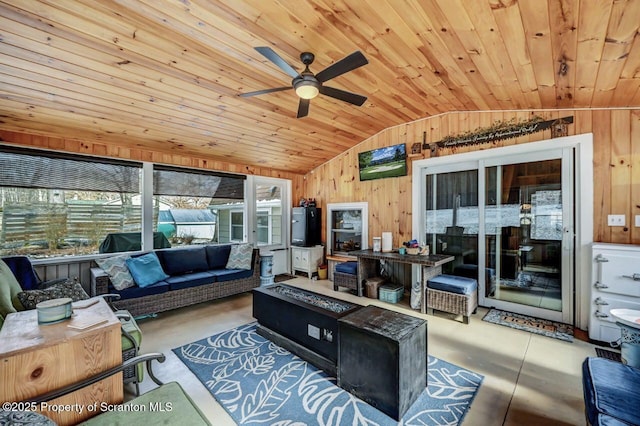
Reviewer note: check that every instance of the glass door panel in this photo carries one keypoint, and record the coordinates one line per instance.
(524, 232)
(452, 219)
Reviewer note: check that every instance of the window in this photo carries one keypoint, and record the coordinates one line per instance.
(54, 205)
(191, 204)
(269, 196)
(237, 225)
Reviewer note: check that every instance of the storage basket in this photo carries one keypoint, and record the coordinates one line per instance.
(372, 286)
(391, 293)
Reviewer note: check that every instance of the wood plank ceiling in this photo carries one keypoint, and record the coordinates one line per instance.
(167, 74)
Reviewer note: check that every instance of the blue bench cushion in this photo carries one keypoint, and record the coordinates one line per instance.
(453, 284)
(183, 260)
(611, 389)
(348, 267)
(193, 279)
(217, 256)
(231, 274)
(135, 291)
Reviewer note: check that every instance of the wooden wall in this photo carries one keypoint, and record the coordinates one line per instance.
(137, 153)
(616, 167)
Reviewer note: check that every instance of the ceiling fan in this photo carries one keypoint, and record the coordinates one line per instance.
(308, 85)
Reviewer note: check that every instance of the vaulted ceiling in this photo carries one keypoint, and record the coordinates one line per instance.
(167, 74)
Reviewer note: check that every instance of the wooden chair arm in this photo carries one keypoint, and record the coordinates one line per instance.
(147, 358)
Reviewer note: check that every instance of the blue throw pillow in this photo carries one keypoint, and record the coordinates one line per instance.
(146, 269)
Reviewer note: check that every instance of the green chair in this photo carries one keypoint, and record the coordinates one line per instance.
(18, 275)
(172, 405)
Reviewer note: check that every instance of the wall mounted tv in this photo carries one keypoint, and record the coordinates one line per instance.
(390, 161)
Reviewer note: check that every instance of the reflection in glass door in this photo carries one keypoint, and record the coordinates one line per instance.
(523, 233)
(452, 219)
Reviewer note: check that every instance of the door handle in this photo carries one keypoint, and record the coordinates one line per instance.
(598, 284)
(600, 301)
(635, 276)
(599, 314)
(601, 259)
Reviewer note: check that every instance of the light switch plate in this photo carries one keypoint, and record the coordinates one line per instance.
(616, 220)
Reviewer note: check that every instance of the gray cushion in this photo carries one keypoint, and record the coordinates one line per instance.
(74, 290)
(240, 257)
(116, 268)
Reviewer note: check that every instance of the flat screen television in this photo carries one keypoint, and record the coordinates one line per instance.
(390, 161)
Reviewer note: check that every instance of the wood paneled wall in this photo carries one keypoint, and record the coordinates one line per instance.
(616, 135)
(138, 153)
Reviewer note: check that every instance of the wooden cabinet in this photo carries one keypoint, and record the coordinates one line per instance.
(306, 259)
(36, 359)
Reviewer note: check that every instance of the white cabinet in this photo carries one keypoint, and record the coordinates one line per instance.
(306, 259)
(615, 284)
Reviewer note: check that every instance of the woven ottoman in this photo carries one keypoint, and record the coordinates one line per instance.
(346, 275)
(453, 294)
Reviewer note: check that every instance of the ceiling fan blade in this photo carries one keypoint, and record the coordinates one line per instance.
(303, 108)
(349, 63)
(342, 95)
(268, 53)
(262, 92)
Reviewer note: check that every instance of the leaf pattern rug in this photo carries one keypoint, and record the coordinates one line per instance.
(260, 383)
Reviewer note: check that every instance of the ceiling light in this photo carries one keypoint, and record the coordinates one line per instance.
(307, 89)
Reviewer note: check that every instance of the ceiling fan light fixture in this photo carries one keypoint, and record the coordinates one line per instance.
(307, 89)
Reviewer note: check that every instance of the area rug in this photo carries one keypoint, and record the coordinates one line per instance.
(534, 325)
(258, 383)
(605, 353)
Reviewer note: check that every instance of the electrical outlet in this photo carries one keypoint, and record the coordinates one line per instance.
(638, 221)
(616, 220)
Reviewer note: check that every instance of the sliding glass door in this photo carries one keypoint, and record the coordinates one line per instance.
(508, 222)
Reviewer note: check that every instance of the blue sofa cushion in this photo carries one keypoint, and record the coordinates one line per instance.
(183, 260)
(193, 279)
(146, 269)
(231, 274)
(611, 389)
(348, 267)
(453, 284)
(135, 291)
(217, 256)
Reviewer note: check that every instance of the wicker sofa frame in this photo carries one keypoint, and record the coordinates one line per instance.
(458, 304)
(155, 303)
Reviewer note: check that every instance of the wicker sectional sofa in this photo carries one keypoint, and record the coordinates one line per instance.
(196, 274)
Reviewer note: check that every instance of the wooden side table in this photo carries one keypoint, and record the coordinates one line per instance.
(36, 359)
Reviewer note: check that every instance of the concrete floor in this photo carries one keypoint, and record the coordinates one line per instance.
(529, 379)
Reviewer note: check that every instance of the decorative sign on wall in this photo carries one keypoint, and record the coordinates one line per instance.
(502, 131)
